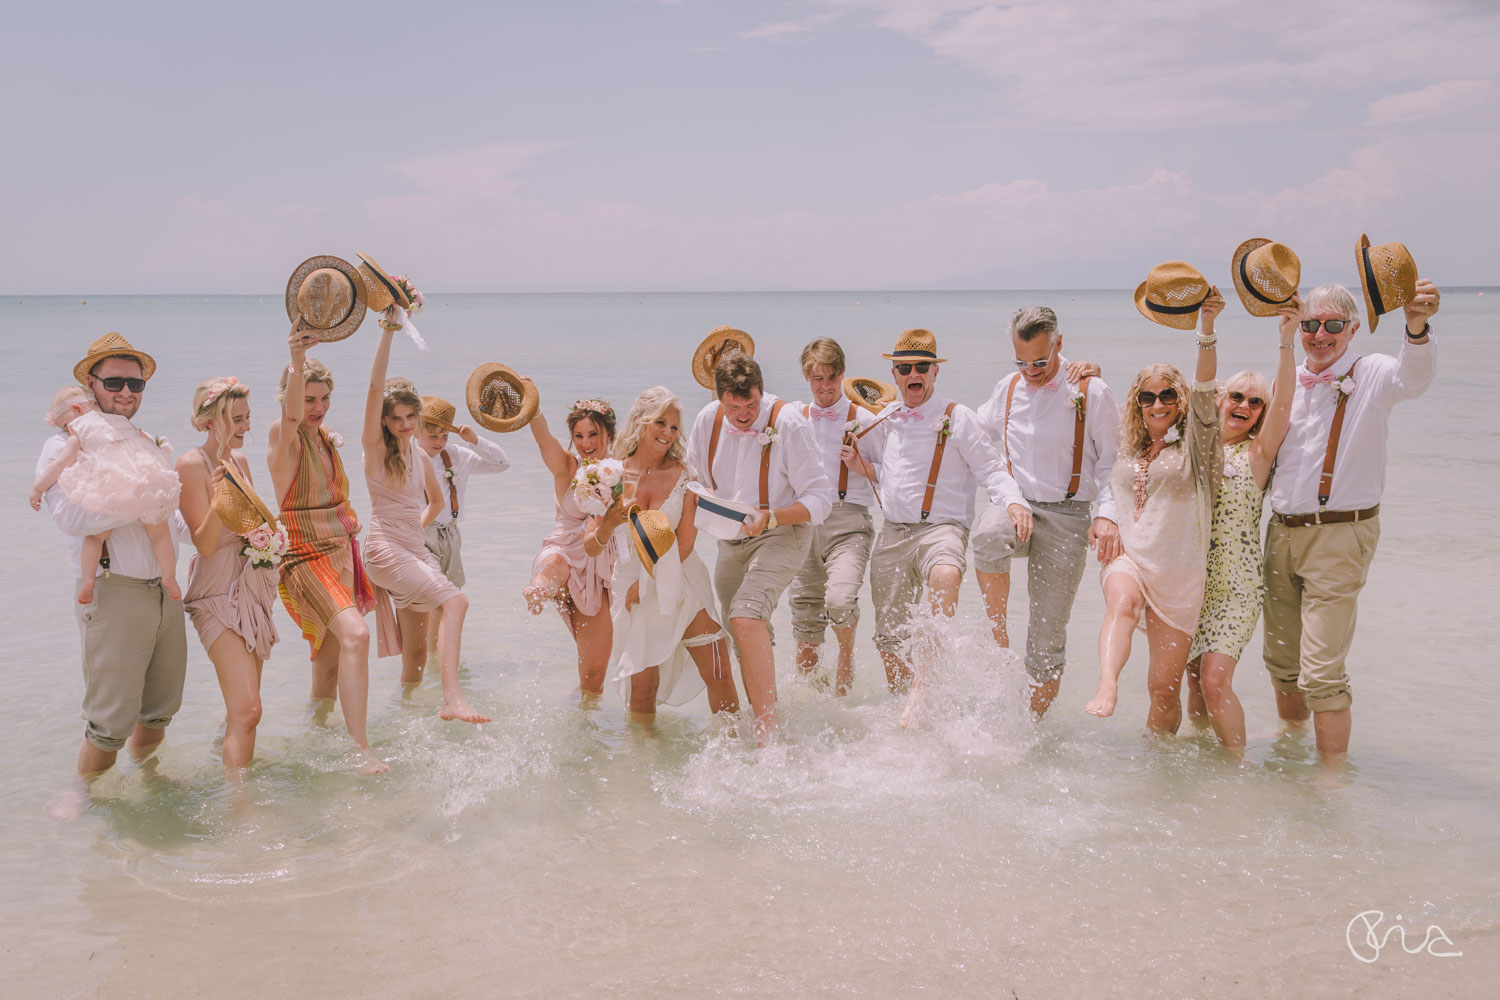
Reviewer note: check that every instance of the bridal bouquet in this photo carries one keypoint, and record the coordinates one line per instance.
(597, 484)
(265, 545)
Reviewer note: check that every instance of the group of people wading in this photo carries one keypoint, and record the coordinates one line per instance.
(1167, 491)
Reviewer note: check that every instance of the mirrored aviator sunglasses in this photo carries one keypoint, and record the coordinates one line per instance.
(1331, 325)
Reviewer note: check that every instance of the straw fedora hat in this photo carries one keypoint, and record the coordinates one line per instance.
(1266, 275)
(1388, 276)
(330, 296)
(237, 504)
(720, 341)
(108, 346)
(1172, 294)
(440, 412)
(915, 345)
(651, 531)
(871, 393)
(380, 291)
(499, 399)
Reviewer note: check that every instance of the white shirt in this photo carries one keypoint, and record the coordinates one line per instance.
(829, 435)
(904, 448)
(468, 460)
(1040, 438)
(1380, 382)
(129, 546)
(796, 474)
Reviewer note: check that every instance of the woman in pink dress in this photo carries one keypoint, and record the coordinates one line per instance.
(404, 498)
(563, 572)
(228, 599)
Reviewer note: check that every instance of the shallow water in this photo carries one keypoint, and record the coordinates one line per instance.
(567, 851)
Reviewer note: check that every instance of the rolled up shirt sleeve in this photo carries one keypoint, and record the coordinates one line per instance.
(979, 454)
(1416, 367)
(805, 472)
(488, 457)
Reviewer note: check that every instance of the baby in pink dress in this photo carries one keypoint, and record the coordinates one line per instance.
(109, 466)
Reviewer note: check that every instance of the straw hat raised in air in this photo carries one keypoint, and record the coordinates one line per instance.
(380, 291)
(1388, 276)
(440, 413)
(330, 296)
(1172, 294)
(871, 393)
(915, 345)
(651, 531)
(108, 346)
(499, 399)
(720, 341)
(237, 504)
(1266, 275)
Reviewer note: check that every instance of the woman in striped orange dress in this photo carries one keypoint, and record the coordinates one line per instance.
(323, 584)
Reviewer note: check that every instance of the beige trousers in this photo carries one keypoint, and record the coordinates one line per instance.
(826, 590)
(134, 641)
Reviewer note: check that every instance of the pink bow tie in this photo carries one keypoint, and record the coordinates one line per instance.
(832, 413)
(1307, 379)
(906, 415)
(1048, 386)
(749, 433)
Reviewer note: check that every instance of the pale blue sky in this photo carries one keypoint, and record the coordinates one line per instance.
(636, 144)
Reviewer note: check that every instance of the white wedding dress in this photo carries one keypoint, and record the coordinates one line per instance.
(650, 634)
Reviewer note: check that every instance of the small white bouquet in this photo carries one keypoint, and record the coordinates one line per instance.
(265, 545)
(597, 484)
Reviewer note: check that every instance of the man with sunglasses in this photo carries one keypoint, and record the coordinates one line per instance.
(1057, 437)
(931, 453)
(1325, 501)
(133, 635)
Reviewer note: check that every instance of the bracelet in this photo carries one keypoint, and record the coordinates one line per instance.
(597, 542)
(1204, 343)
(1426, 329)
(1288, 347)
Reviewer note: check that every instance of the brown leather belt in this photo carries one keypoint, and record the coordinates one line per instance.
(1326, 517)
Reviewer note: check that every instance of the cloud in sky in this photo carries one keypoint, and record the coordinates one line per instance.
(820, 144)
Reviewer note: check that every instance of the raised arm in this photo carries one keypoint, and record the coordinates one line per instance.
(488, 456)
(369, 435)
(281, 442)
(1208, 356)
(1279, 408)
(559, 460)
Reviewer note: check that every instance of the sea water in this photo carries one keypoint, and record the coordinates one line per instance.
(566, 851)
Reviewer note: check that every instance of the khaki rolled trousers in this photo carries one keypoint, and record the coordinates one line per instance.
(1313, 578)
(134, 640)
(446, 543)
(904, 556)
(826, 590)
(751, 573)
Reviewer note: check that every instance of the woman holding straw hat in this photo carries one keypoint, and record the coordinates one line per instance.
(229, 597)
(663, 599)
(565, 572)
(404, 499)
(1169, 464)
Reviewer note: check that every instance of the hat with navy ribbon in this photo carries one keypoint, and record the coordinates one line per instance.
(1266, 275)
(1172, 294)
(915, 345)
(1388, 276)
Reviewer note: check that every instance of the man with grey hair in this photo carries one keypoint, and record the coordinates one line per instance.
(1325, 502)
(1057, 427)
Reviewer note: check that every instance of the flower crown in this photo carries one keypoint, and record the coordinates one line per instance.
(216, 389)
(400, 385)
(596, 405)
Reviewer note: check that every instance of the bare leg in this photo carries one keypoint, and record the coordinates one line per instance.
(1292, 708)
(434, 620)
(549, 584)
(996, 590)
(92, 761)
(1044, 694)
(239, 673)
(450, 641)
(166, 556)
(1332, 732)
(1123, 603)
(347, 630)
(843, 678)
(712, 661)
(1169, 650)
(414, 637)
(758, 671)
(1224, 709)
(807, 659)
(898, 674)
(1197, 708)
(594, 635)
(88, 564)
(325, 680)
(643, 688)
(942, 598)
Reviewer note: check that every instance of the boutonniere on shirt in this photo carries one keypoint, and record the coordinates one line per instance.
(1344, 385)
(852, 427)
(1076, 397)
(449, 474)
(945, 427)
(163, 444)
(336, 439)
(1173, 435)
(767, 436)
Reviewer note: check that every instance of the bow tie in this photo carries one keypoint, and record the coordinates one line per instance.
(1047, 386)
(831, 413)
(905, 414)
(1307, 379)
(748, 433)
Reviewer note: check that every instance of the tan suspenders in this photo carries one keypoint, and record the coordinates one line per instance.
(1325, 482)
(765, 451)
(937, 463)
(843, 469)
(452, 486)
(1078, 428)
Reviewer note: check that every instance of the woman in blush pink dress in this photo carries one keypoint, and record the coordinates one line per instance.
(578, 583)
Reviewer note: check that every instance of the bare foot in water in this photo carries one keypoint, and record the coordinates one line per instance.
(367, 764)
(1103, 704)
(913, 703)
(461, 712)
(86, 591)
(68, 803)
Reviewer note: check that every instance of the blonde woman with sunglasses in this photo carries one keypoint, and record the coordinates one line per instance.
(1253, 421)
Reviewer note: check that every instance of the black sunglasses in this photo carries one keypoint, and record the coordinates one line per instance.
(1148, 398)
(1239, 397)
(116, 383)
(922, 367)
(1331, 325)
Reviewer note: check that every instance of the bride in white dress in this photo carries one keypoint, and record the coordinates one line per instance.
(664, 620)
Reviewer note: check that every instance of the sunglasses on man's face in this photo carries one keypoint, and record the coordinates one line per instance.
(1035, 366)
(922, 367)
(1239, 397)
(115, 384)
(1331, 325)
(1147, 398)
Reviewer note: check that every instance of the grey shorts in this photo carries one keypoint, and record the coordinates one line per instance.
(826, 591)
(904, 556)
(134, 640)
(446, 543)
(751, 573)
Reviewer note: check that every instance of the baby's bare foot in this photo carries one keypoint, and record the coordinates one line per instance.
(1103, 703)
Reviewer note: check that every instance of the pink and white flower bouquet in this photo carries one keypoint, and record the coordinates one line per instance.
(266, 546)
(597, 484)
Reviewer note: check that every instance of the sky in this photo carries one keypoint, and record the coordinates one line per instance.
(643, 145)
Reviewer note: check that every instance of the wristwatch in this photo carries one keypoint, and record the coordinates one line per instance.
(1426, 329)
(771, 522)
